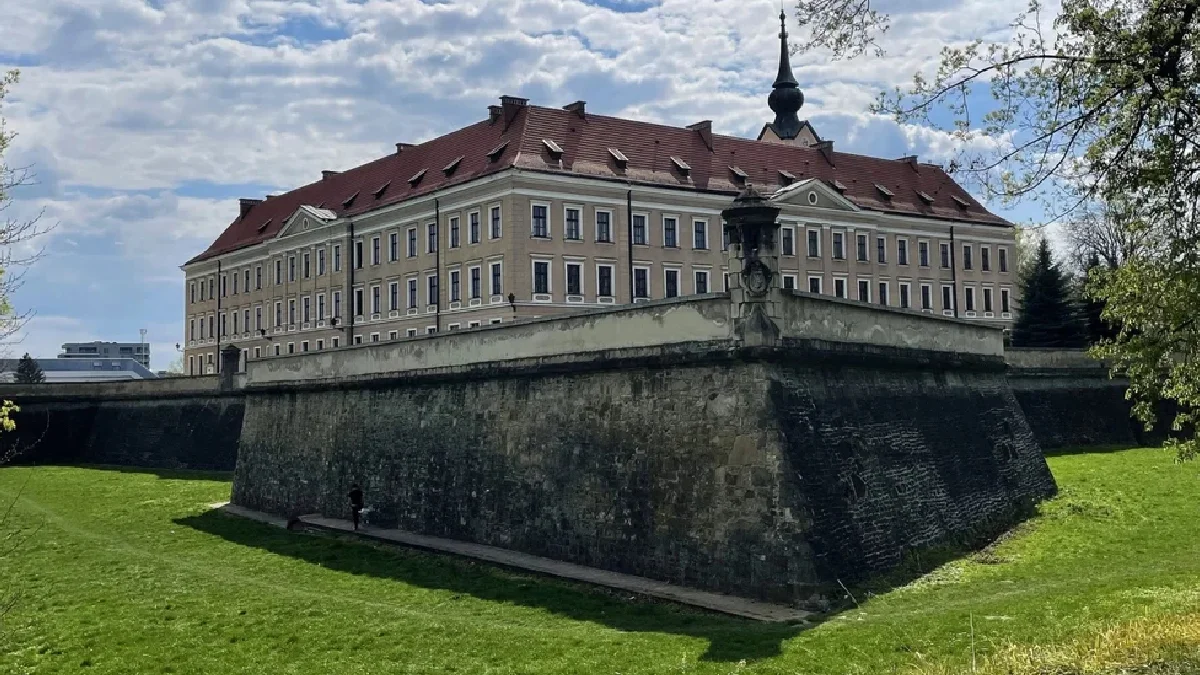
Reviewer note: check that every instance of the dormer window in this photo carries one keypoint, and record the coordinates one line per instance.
(740, 177)
(382, 189)
(553, 148)
(619, 157)
(962, 203)
(497, 151)
(416, 178)
(884, 191)
(839, 186)
(786, 177)
(925, 197)
(264, 225)
(349, 201)
(450, 168)
(681, 166)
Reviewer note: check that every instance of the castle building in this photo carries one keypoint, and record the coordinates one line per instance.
(534, 211)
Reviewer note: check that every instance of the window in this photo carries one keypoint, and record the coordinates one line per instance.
(639, 229)
(455, 286)
(192, 363)
(1002, 254)
(947, 299)
(923, 253)
(987, 300)
(495, 226)
(358, 339)
(574, 280)
(431, 290)
(454, 233)
(277, 346)
(985, 259)
(291, 268)
(258, 324)
(431, 238)
(945, 256)
(967, 262)
(337, 257)
(839, 288)
(392, 335)
(641, 282)
(572, 228)
(306, 309)
(394, 247)
(235, 283)
(194, 291)
(291, 312)
(905, 300)
(320, 345)
(258, 277)
(814, 244)
(306, 265)
(278, 313)
(411, 332)
(902, 251)
(926, 296)
(541, 228)
(496, 287)
(412, 293)
(884, 294)
(337, 305)
(304, 346)
(476, 276)
(473, 228)
(211, 332)
(839, 246)
(224, 290)
(671, 283)
(725, 282)
(881, 250)
(320, 262)
(336, 342)
(358, 255)
(358, 302)
(192, 329)
(604, 281)
(787, 240)
(210, 288)
(541, 276)
(700, 235)
(1004, 300)
(454, 326)
(412, 242)
(701, 281)
(235, 323)
(291, 347)
(320, 306)
(814, 285)
(862, 248)
(724, 237)
(670, 233)
(603, 226)
(969, 298)
(789, 282)
(374, 337)
(864, 290)
(393, 296)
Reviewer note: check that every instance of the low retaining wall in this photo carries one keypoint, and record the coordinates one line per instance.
(172, 423)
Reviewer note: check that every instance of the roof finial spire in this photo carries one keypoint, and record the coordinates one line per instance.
(786, 99)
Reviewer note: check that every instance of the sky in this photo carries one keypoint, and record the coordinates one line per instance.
(145, 120)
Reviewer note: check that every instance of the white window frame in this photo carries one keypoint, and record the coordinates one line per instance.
(645, 228)
(478, 216)
(953, 300)
(985, 256)
(970, 306)
(612, 233)
(1002, 269)
(453, 223)
(820, 278)
(987, 295)
(376, 250)
(649, 282)
(678, 281)
(414, 250)
(783, 282)
(663, 227)
(865, 238)
(904, 288)
(706, 246)
(470, 291)
(820, 243)
(581, 210)
(491, 277)
(928, 254)
(567, 265)
(906, 259)
(1005, 296)
(451, 276)
(923, 308)
(844, 284)
(884, 298)
(859, 281)
(612, 275)
(792, 229)
(549, 261)
(549, 221)
(968, 249)
(394, 296)
(496, 234)
(696, 281)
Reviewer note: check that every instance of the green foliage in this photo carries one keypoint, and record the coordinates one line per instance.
(1048, 316)
(28, 371)
(141, 577)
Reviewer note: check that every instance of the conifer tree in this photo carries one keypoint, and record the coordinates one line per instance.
(1048, 315)
(28, 371)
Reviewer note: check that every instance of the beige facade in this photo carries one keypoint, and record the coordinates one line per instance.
(558, 243)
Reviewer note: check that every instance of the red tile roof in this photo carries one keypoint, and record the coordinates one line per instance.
(586, 141)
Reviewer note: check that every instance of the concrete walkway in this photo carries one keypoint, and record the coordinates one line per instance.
(725, 604)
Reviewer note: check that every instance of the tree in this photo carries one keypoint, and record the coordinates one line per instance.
(1098, 328)
(28, 371)
(1048, 316)
(1102, 232)
(1093, 107)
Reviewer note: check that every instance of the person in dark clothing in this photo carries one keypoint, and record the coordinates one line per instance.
(356, 503)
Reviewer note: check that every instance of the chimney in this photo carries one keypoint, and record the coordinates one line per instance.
(578, 107)
(826, 148)
(510, 106)
(244, 206)
(912, 161)
(705, 130)
(327, 174)
(401, 147)
(494, 113)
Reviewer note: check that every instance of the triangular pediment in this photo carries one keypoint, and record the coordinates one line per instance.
(813, 193)
(306, 218)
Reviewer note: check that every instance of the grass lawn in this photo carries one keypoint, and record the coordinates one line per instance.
(128, 573)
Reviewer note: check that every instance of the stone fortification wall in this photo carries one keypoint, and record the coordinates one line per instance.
(173, 423)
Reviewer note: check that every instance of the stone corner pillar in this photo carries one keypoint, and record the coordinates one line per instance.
(753, 258)
(231, 358)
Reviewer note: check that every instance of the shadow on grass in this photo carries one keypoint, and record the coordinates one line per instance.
(729, 638)
(1096, 449)
(161, 473)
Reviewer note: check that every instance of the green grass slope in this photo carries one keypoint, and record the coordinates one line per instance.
(127, 572)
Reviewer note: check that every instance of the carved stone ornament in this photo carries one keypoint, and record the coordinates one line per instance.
(757, 277)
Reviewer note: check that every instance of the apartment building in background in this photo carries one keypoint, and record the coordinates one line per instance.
(138, 351)
(535, 211)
